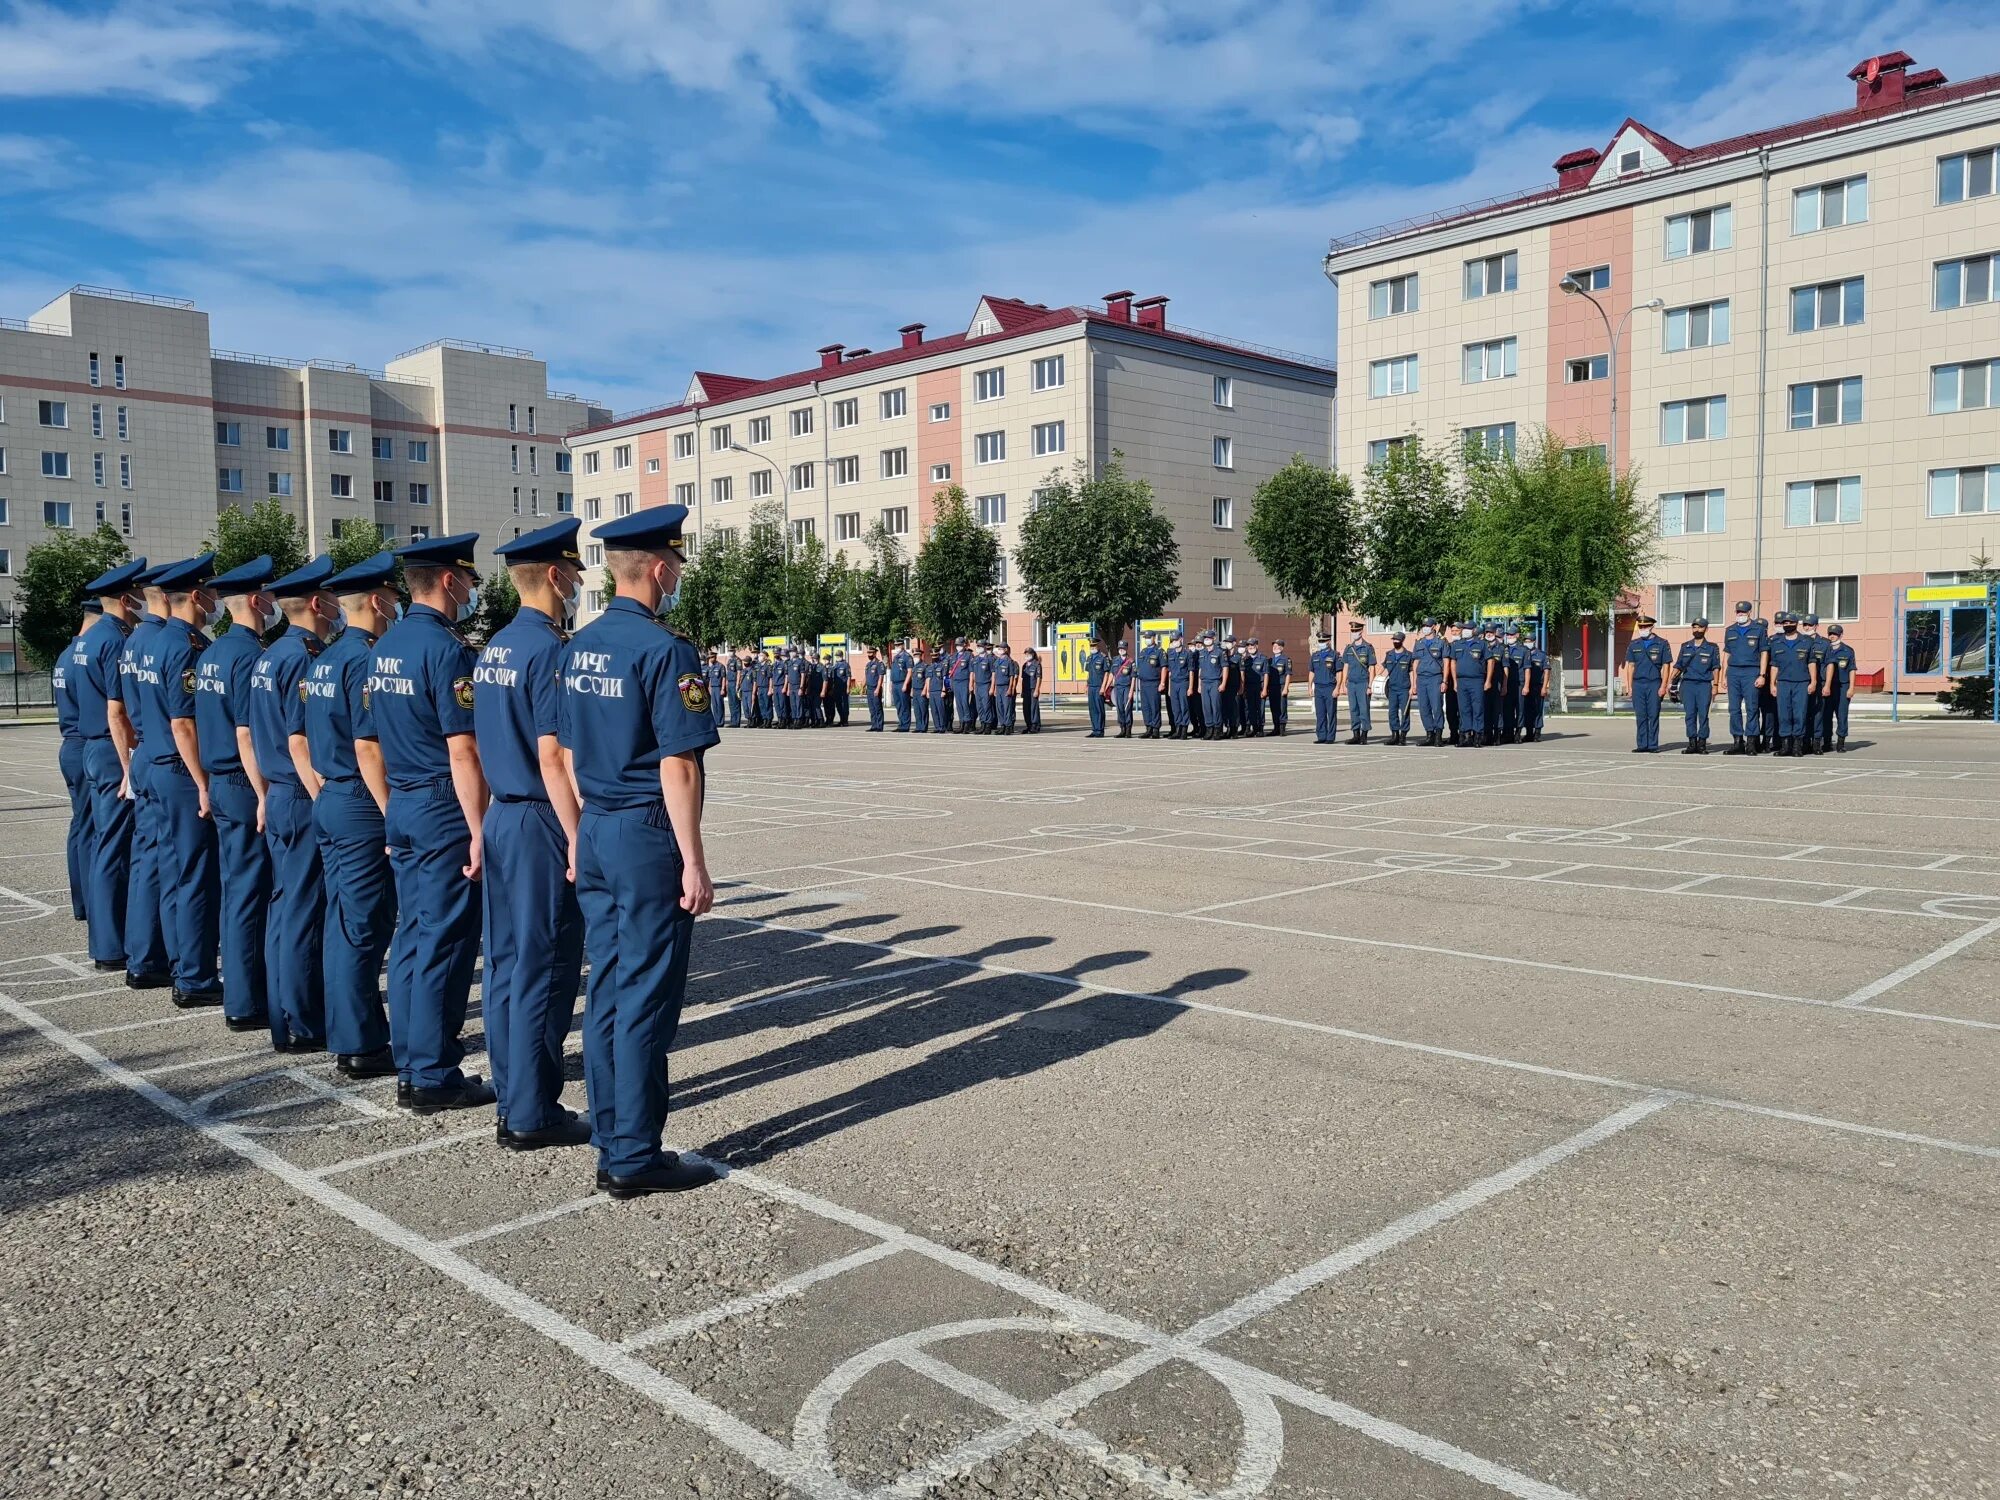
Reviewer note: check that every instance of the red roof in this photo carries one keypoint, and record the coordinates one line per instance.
(723, 387)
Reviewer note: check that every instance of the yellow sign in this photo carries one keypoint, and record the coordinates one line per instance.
(831, 646)
(1947, 593)
(1159, 627)
(1072, 650)
(1505, 611)
(777, 642)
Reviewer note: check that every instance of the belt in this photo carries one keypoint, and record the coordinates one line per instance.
(512, 800)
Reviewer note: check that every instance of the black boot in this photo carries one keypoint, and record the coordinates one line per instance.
(1840, 745)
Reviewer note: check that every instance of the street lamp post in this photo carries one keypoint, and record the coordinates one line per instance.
(783, 483)
(1574, 288)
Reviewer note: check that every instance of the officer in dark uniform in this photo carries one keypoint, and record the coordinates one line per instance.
(1398, 663)
(236, 788)
(92, 680)
(902, 682)
(1357, 665)
(717, 673)
(1452, 634)
(920, 689)
(1031, 692)
(839, 685)
(982, 689)
(1006, 682)
(1648, 660)
(816, 704)
(1535, 697)
(420, 706)
(69, 761)
(1178, 662)
(1767, 695)
(634, 733)
(534, 927)
(1429, 652)
(294, 923)
(1517, 682)
(1124, 685)
(151, 892)
(347, 821)
(1212, 675)
(1469, 671)
(1252, 695)
(790, 683)
(1493, 710)
(1325, 667)
(1790, 674)
(1197, 724)
(873, 670)
(1152, 672)
(1836, 688)
(1743, 652)
(958, 674)
(940, 693)
(733, 674)
(1819, 648)
(1278, 686)
(1096, 669)
(1694, 670)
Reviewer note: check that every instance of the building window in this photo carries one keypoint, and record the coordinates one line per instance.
(125, 471)
(1393, 377)
(718, 438)
(420, 533)
(1965, 283)
(384, 449)
(760, 484)
(341, 486)
(1630, 162)
(278, 485)
(802, 476)
(564, 464)
(96, 418)
(531, 419)
(1694, 421)
(1826, 403)
(1497, 359)
(847, 526)
(1692, 513)
(97, 469)
(514, 458)
(1223, 453)
(229, 434)
(1698, 233)
(989, 447)
(1380, 449)
(125, 518)
(1684, 603)
(339, 440)
(1222, 572)
(941, 412)
(802, 421)
(96, 370)
(896, 520)
(279, 440)
(1492, 274)
(621, 504)
(1969, 174)
(847, 470)
(1823, 502)
(847, 413)
(565, 503)
(229, 481)
(1969, 387)
(513, 417)
(683, 496)
(1595, 279)
(591, 462)
(1000, 581)
(1222, 513)
(1224, 626)
(1965, 492)
(53, 413)
(1832, 304)
(420, 493)
(893, 404)
(683, 445)
(124, 424)
(1497, 440)
(652, 465)
(759, 432)
(1047, 372)
(1829, 598)
(1396, 295)
(721, 489)
(1591, 367)
(593, 554)
(1701, 325)
(1225, 391)
(535, 459)
(593, 505)
(992, 510)
(1048, 438)
(989, 385)
(802, 532)
(621, 456)
(517, 499)
(118, 371)
(385, 494)
(1830, 205)
(940, 473)
(56, 513)
(895, 463)
(55, 465)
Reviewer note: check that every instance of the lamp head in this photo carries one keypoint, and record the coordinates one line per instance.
(1569, 285)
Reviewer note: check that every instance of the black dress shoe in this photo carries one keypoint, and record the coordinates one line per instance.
(196, 999)
(108, 965)
(300, 1045)
(148, 981)
(603, 1180)
(677, 1174)
(468, 1093)
(568, 1130)
(381, 1063)
(246, 1023)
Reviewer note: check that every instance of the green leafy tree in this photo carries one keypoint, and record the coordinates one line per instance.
(265, 528)
(952, 586)
(499, 602)
(1305, 532)
(754, 585)
(1542, 528)
(1096, 548)
(1410, 510)
(877, 608)
(355, 541)
(698, 613)
(806, 608)
(48, 602)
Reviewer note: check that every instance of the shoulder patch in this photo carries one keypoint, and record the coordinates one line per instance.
(367, 698)
(187, 680)
(461, 691)
(694, 692)
(302, 690)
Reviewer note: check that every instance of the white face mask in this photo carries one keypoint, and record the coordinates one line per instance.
(471, 605)
(212, 616)
(569, 603)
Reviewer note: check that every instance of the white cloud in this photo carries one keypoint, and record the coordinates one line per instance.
(150, 52)
(31, 163)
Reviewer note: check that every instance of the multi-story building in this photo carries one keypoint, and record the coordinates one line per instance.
(1023, 392)
(114, 407)
(1809, 377)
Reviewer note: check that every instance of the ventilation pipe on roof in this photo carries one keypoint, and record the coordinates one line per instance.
(913, 334)
(1151, 313)
(1575, 169)
(829, 355)
(854, 354)
(1879, 82)
(1119, 305)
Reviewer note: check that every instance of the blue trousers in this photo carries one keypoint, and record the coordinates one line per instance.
(111, 818)
(877, 719)
(736, 707)
(436, 944)
(1149, 704)
(1253, 708)
(1646, 713)
(1399, 708)
(902, 704)
(360, 916)
(1833, 715)
(1211, 707)
(188, 860)
(1430, 703)
(940, 709)
(1359, 714)
(1121, 698)
(1094, 698)
(961, 703)
(1031, 708)
(534, 959)
(1177, 704)
(1326, 714)
(1511, 702)
(923, 707)
(1745, 713)
(1533, 706)
(1281, 709)
(1792, 708)
(628, 882)
(76, 848)
(1471, 708)
(150, 890)
(244, 864)
(293, 923)
(1695, 698)
(1004, 706)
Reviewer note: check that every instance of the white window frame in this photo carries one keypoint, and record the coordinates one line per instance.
(279, 440)
(652, 466)
(621, 504)
(1828, 403)
(757, 432)
(1982, 481)
(801, 421)
(896, 520)
(1591, 278)
(846, 413)
(1047, 373)
(1679, 420)
(419, 492)
(277, 484)
(1955, 378)
(684, 496)
(847, 470)
(340, 486)
(1591, 366)
(340, 440)
(941, 411)
(1679, 507)
(1384, 296)
(1492, 359)
(989, 384)
(59, 515)
(1680, 604)
(847, 526)
(894, 463)
(1966, 272)
(989, 447)
(684, 445)
(1684, 230)
(892, 404)
(1225, 392)
(1223, 452)
(1830, 205)
(1506, 436)
(229, 481)
(229, 434)
(1849, 294)
(804, 477)
(1482, 273)
(1222, 574)
(1806, 498)
(940, 473)
(593, 462)
(1711, 319)
(1966, 176)
(55, 464)
(991, 509)
(718, 438)
(760, 484)
(621, 456)
(721, 489)
(1395, 376)
(53, 414)
(1048, 439)
(124, 471)
(1807, 596)
(1222, 513)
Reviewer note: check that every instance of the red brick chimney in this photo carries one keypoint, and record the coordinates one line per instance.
(1575, 169)
(1879, 81)
(829, 356)
(1151, 312)
(913, 334)
(1119, 305)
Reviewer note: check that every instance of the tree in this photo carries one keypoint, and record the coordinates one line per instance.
(755, 582)
(953, 585)
(1542, 528)
(267, 528)
(806, 603)
(499, 602)
(48, 602)
(1096, 549)
(877, 609)
(698, 613)
(355, 541)
(1305, 533)
(1410, 512)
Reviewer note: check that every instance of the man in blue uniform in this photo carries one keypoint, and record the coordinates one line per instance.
(1429, 652)
(1357, 666)
(1124, 683)
(1324, 664)
(1397, 665)
(1006, 684)
(1836, 688)
(534, 927)
(1177, 663)
(982, 689)
(236, 788)
(1493, 709)
(920, 689)
(902, 681)
(634, 734)
(1694, 670)
(815, 688)
(1096, 675)
(959, 670)
(93, 681)
(717, 673)
(1468, 674)
(1031, 692)
(839, 685)
(1152, 683)
(1278, 686)
(1647, 661)
(940, 691)
(69, 761)
(293, 924)
(1818, 648)
(1535, 697)
(420, 707)
(791, 677)
(873, 671)
(1252, 695)
(1743, 651)
(347, 821)
(179, 785)
(1790, 674)
(1517, 683)
(150, 894)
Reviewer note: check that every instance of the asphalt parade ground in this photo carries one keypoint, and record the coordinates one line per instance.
(1105, 1118)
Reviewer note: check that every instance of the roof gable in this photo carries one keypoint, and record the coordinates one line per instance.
(708, 386)
(1652, 150)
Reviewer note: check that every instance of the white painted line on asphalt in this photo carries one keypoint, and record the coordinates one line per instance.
(751, 1302)
(1304, 890)
(436, 1142)
(815, 989)
(85, 995)
(178, 1018)
(1672, 812)
(201, 1062)
(526, 1221)
(1916, 966)
(318, 1091)
(42, 908)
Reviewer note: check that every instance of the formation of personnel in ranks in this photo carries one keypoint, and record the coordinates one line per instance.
(1788, 693)
(260, 827)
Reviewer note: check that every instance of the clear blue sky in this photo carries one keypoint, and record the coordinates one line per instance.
(636, 188)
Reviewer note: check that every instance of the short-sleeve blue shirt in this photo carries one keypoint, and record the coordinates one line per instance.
(1648, 656)
(93, 675)
(419, 694)
(1399, 663)
(1429, 651)
(335, 685)
(170, 684)
(1698, 660)
(517, 698)
(1325, 666)
(633, 695)
(59, 692)
(222, 698)
(278, 701)
(131, 662)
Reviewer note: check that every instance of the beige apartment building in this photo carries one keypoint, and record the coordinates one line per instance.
(1814, 404)
(115, 407)
(1022, 391)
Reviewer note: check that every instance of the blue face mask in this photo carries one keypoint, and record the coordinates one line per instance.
(471, 606)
